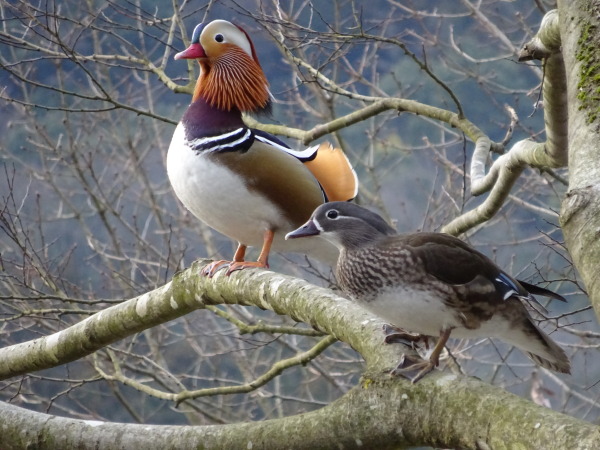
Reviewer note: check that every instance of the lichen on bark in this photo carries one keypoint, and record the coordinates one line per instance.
(589, 72)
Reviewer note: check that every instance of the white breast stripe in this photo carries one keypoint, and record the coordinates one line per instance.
(232, 144)
(237, 137)
(199, 142)
(224, 141)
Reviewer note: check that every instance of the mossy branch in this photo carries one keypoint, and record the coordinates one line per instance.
(440, 411)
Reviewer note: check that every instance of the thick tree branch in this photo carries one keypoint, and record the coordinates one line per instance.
(546, 41)
(441, 410)
(378, 106)
(187, 292)
(403, 415)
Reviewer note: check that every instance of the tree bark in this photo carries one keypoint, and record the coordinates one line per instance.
(580, 211)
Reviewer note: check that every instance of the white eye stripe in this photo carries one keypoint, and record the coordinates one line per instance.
(229, 33)
(341, 216)
(318, 225)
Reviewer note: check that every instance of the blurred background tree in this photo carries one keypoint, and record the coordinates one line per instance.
(90, 96)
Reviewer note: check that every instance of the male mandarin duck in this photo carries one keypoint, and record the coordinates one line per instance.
(243, 182)
(432, 284)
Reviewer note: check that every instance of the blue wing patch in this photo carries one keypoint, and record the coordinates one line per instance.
(506, 286)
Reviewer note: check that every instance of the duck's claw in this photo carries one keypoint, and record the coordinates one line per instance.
(239, 265)
(210, 269)
(396, 335)
(413, 368)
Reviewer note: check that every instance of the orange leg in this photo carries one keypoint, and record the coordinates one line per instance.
(214, 266)
(263, 258)
(240, 253)
(409, 364)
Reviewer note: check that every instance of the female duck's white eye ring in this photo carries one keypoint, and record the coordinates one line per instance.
(332, 214)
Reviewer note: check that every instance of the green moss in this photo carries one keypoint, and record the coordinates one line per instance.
(589, 73)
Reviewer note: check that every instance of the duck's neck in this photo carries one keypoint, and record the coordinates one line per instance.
(202, 119)
(360, 237)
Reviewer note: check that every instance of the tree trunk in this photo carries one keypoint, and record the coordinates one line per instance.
(580, 213)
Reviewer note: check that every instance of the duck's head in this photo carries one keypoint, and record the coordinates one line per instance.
(344, 224)
(231, 76)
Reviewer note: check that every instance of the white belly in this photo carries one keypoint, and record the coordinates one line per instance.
(216, 196)
(220, 199)
(418, 311)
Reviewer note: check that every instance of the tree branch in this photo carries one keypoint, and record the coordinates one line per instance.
(442, 411)
(403, 415)
(188, 292)
(276, 369)
(377, 106)
(505, 170)
(245, 328)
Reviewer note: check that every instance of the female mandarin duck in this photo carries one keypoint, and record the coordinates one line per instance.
(243, 182)
(430, 284)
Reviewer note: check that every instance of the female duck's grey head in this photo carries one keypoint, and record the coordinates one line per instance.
(346, 225)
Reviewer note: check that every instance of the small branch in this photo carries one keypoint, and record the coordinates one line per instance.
(377, 107)
(275, 370)
(244, 328)
(423, 66)
(45, 312)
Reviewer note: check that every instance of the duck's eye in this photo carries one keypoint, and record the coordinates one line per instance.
(219, 38)
(332, 214)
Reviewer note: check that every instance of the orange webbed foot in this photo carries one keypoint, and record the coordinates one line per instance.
(210, 269)
(238, 262)
(240, 265)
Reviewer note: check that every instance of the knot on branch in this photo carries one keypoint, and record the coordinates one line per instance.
(545, 42)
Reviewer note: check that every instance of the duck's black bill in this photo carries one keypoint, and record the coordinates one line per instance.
(308, 229)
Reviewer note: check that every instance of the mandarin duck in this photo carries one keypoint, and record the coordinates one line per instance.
(432, 284)
(243, 182)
